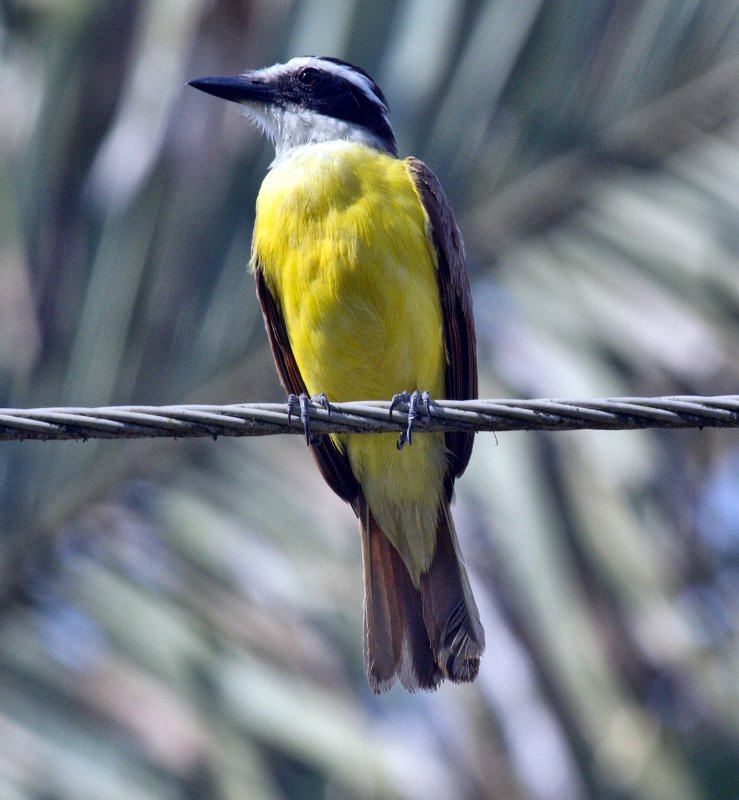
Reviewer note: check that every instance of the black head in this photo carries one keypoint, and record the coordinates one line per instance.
(310, 99)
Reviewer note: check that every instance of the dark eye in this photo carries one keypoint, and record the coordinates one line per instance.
(309, 76)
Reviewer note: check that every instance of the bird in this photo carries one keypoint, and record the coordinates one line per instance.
(360, 273)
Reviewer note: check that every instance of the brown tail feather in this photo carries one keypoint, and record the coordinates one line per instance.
(418, 635)
(449, 609)
(396, 643)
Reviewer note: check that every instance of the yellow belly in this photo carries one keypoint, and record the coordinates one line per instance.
(342, 239)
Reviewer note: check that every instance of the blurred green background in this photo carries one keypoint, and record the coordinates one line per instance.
(183, 619)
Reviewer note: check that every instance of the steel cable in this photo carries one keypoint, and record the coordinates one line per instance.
(262, 419)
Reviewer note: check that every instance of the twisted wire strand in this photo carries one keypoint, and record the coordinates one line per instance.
(263, 419)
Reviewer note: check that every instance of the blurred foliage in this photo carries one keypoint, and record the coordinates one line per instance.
(183, 620)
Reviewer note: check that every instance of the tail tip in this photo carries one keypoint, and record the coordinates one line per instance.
(461, 664)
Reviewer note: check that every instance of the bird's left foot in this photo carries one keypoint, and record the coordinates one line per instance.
(302, 403)
(417, 402)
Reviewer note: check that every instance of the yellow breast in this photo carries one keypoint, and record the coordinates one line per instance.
(342, 238)
(343, 241)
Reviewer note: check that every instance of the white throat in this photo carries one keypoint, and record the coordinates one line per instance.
(289, 128)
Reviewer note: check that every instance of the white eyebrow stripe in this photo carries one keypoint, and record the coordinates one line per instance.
(299, 62)
(290, 123)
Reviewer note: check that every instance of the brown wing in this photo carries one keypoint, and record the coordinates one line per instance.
(456, 306)
(332, 461)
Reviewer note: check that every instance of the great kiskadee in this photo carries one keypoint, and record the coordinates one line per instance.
(360, 274)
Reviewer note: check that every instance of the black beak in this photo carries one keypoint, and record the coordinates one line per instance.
(237, 88)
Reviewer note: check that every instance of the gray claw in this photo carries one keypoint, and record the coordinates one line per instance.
(417, 402)
(322, 401)
(403, 397)
(301, 403)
